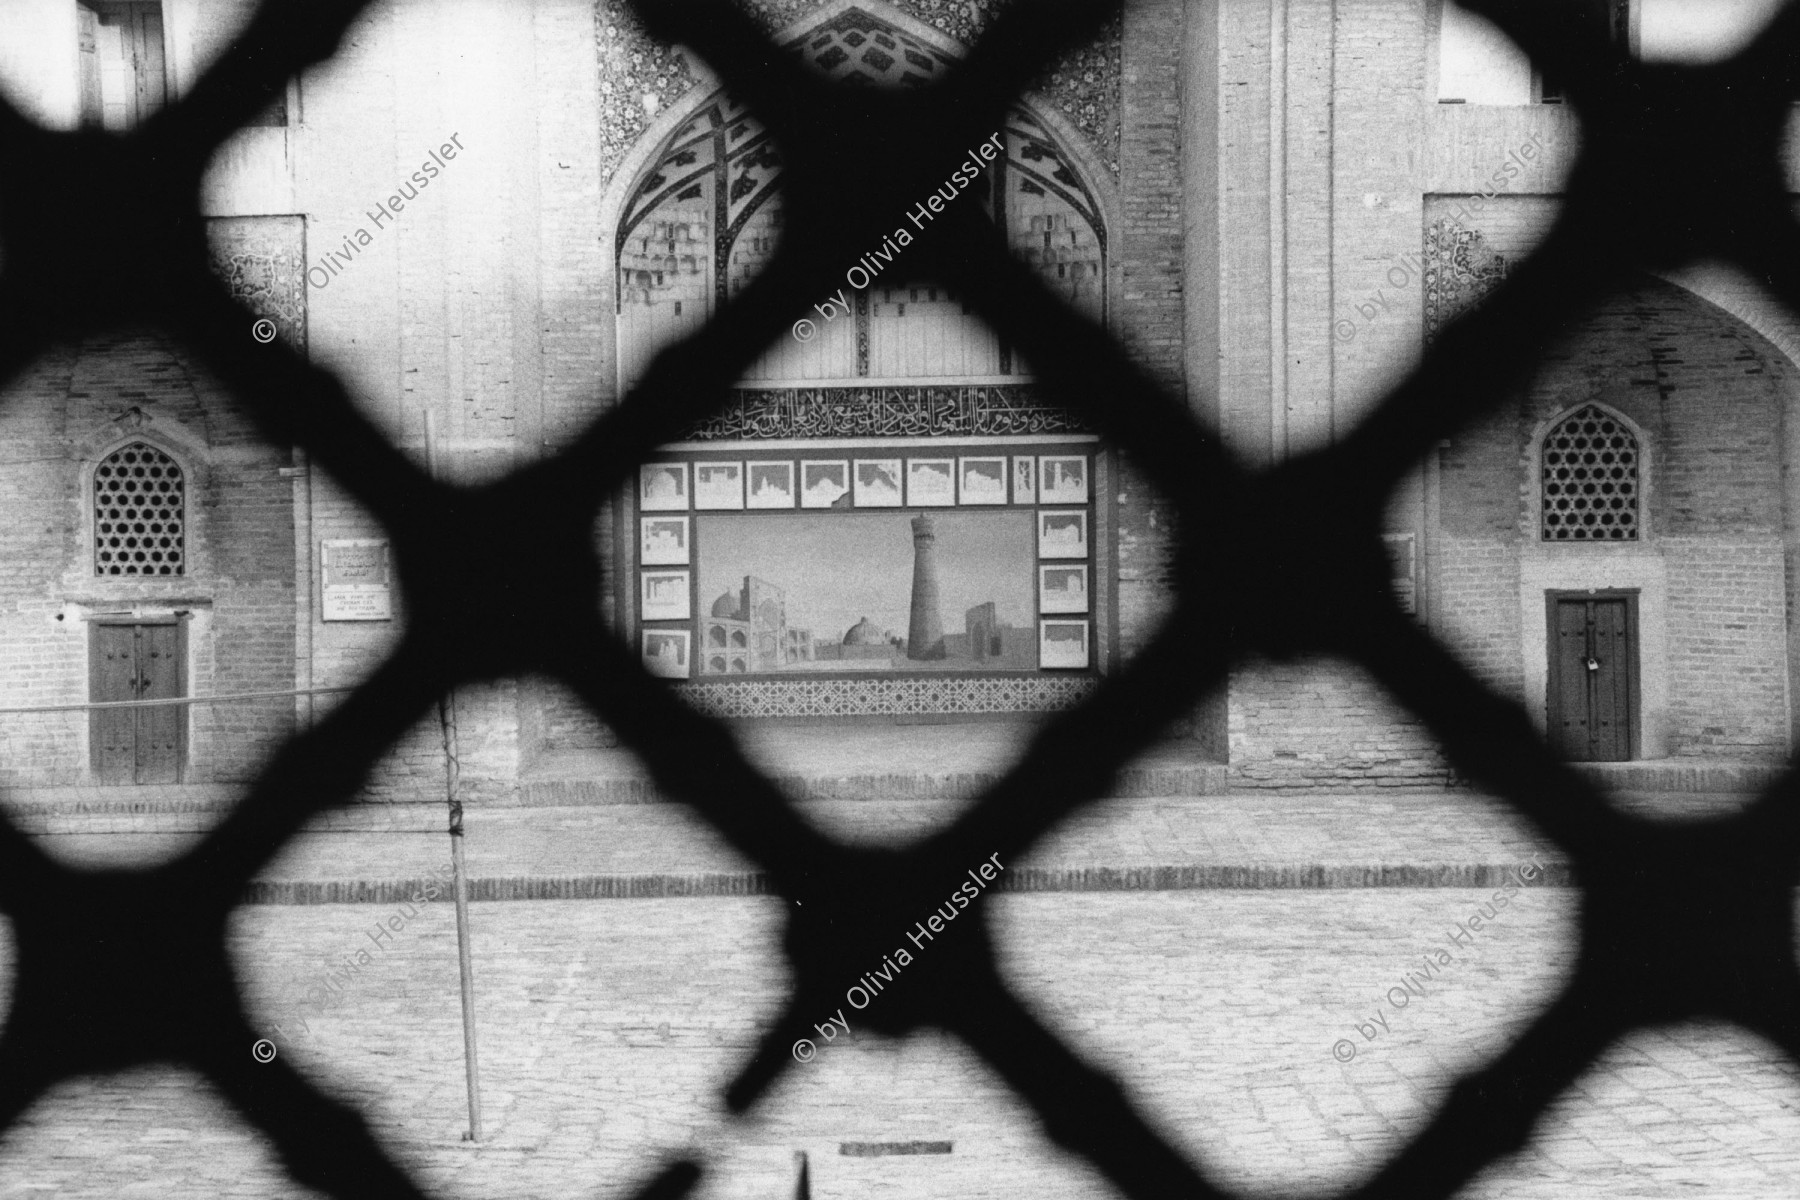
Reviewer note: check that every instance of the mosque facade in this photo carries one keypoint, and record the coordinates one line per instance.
(1275, 207)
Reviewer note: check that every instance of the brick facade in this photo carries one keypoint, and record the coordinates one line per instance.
(1148, 309)
(235, 597)
(1276, 179)
(1708, 390)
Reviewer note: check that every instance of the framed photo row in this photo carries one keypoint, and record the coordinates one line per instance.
(931, 482)
(1013, 529)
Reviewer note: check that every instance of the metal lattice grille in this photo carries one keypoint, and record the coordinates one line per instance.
(138, 513)
(1677, 922)
(1590, 479)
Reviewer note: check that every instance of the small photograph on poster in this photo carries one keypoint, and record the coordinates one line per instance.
(1063, 589)
(1063, 479)
(719, 485)
(981, 480)
(663, 541)
(877, 483)
(663, 487)
(771, 485)
(1024, 480)
(664, 596)
(931, 481)
(825, 484)
(666, 652)
(1062, 644)
(1063, 533)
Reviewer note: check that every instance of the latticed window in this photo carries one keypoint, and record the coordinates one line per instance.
(138, 507)
(1590, 479)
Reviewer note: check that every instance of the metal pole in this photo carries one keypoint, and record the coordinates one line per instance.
(452, 772)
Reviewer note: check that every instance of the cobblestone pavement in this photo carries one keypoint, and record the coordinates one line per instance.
(608, 1027)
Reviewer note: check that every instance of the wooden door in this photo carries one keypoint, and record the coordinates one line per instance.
(88, 43)
(112, 675)
(138, 662)
(1593, 669)
(144, 41)
(131, 69)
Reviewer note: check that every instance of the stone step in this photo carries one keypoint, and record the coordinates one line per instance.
(488, 889)
(1682, 775)
(169, 816)
(852, 761)
(1156, 779)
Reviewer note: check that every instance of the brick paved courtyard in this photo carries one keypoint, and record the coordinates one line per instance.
(608, 1027)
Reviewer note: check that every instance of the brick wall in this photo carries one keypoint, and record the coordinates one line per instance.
(1320, 119)
(1706, 389)
(1727, 663)
(1148, 314)
(1324, 725)
(480, 302)
(72, 408)
(639, 82)
(1707, 393)
(1477, 608)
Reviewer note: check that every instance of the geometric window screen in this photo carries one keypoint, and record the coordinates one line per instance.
(138, 513)
(1590, 479)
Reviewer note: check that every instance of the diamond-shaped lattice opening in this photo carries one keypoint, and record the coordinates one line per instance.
(1317, 509)
(108, 1134)
(1696, 1109)
(623, 1017)
(1297, 1036)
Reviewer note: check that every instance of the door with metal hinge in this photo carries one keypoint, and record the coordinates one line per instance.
(1593, 677)
(138, 661)
(123, 67)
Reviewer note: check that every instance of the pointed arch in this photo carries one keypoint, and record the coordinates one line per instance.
(1590, 476)
(695, 213)
(138, 495)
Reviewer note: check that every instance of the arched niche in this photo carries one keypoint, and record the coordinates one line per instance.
(696, 213)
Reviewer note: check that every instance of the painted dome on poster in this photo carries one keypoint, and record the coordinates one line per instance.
(864, 633)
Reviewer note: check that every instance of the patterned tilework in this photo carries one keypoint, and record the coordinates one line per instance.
(639, 78)
(885, 697)
(261, 259)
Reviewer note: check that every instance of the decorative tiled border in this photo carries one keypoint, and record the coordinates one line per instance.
(261, 261)
(1460, 271)
(886, 697)
(639, 78)
(997, 410)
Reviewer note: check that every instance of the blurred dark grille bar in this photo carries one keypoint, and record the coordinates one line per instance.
(100, 231)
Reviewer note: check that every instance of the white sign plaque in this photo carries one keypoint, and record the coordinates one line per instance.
(355, 580)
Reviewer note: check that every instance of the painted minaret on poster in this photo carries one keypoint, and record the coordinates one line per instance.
(925, 633)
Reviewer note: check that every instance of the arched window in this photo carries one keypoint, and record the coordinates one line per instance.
(704, 215)
(139, 513)
(1590, 479)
